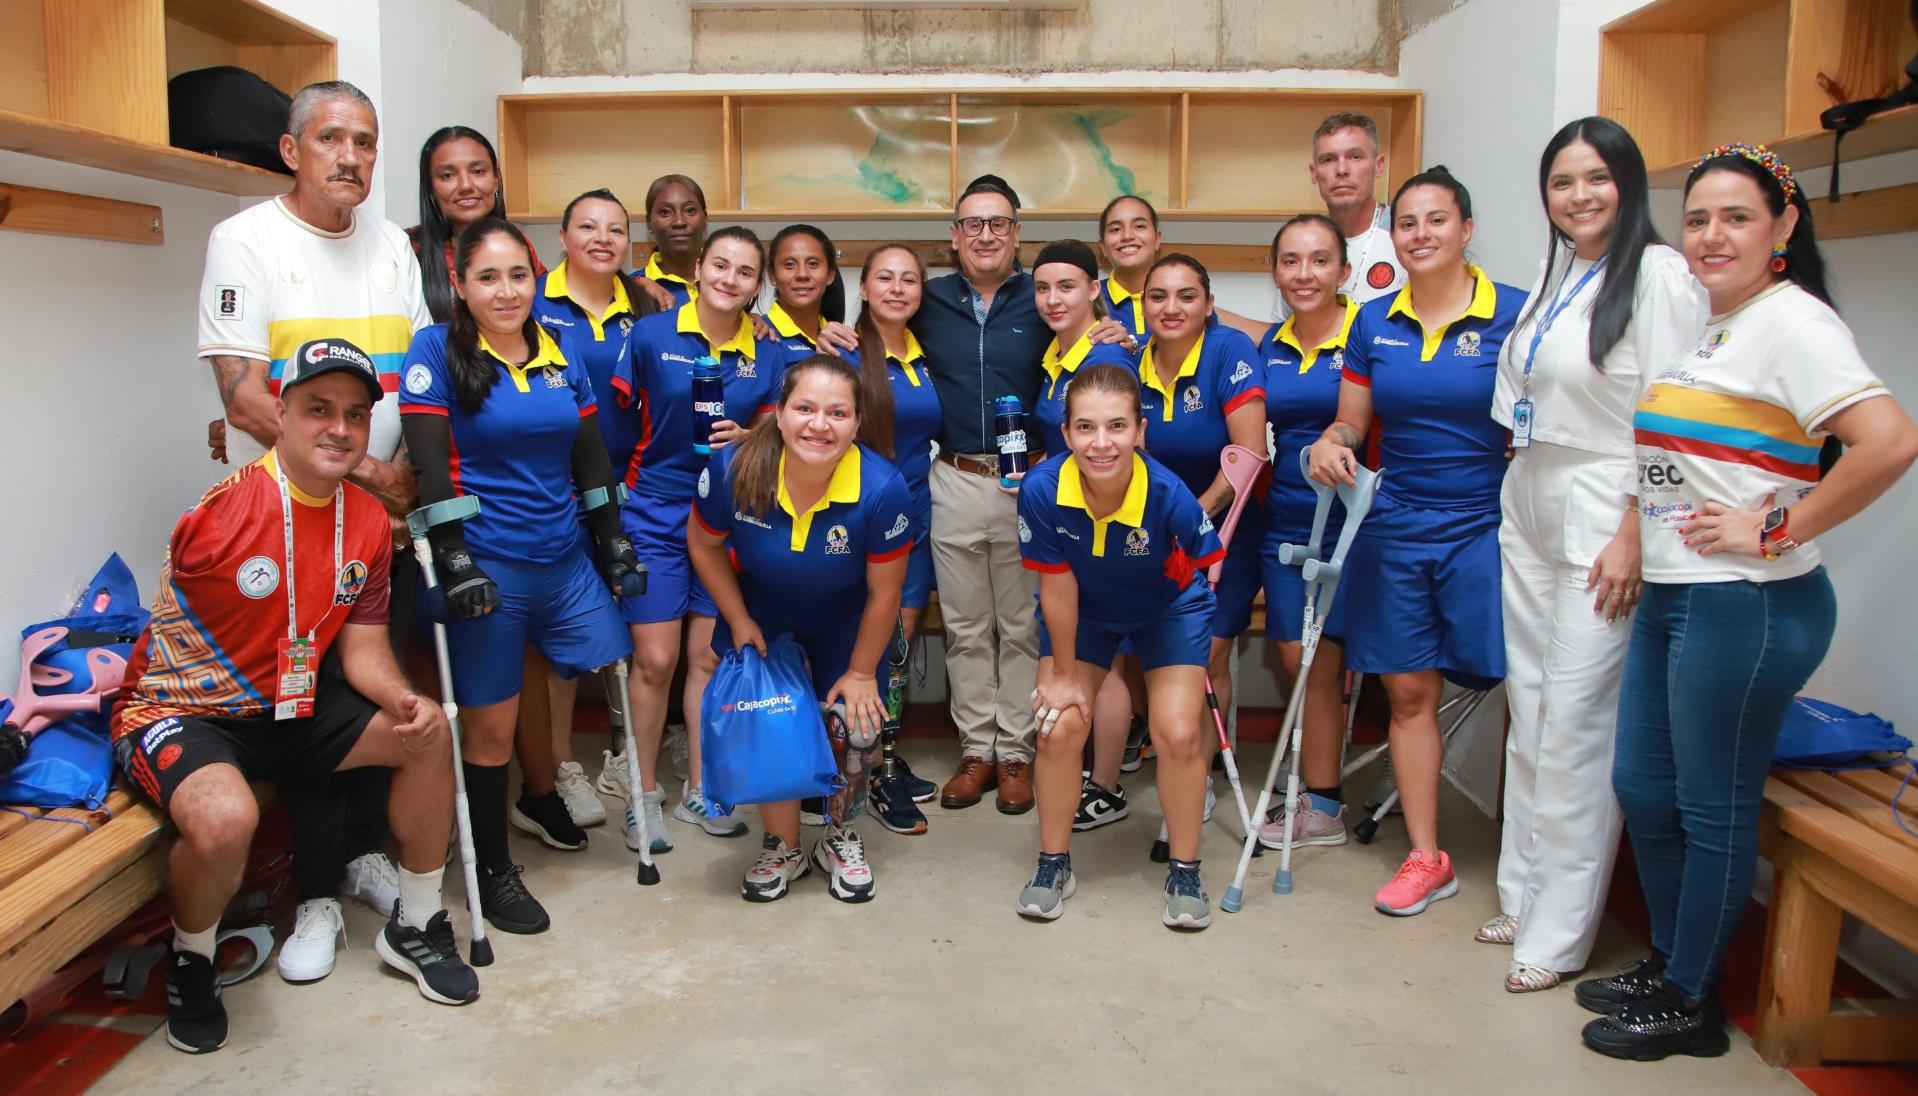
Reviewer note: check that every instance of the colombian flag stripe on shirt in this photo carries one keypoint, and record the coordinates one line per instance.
(1734, 429)
(385, 339)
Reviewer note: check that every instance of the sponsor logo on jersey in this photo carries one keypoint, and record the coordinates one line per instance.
(419, 379)
(1138, 542)
(352, 582)
(1467, 345)
(671, 357)
(1205, 523)
(902, 525)
(705, 482)
(1381, 340)
(1025, 532)
(837, 543)
(232, 301)
(1241, 372)
(747, 519)
(160, 732)
(258, 577)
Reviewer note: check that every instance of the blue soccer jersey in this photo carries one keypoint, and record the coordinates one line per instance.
(658, 377)
(795, 343)
(809, 565)
(1439, 445)
(597, 343)
(516, 451)
(1301, 400)
(1132, 564)
(1185, 422)
(915, 423)
(1125, 306)
(1060, 367)
(682, 290)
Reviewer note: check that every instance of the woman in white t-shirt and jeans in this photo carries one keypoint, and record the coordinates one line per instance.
(1737, 611)
(1611, 305)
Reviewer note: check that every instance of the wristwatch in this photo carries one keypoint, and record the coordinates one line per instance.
(1773, 539)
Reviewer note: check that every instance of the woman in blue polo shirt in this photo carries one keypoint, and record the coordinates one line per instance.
(657, 379)
(676, 222)
(1120, 545)
(808, 294)
(1421, 582)
(493, 408)
(1129, 237)
(1303, 359)
(798, 529)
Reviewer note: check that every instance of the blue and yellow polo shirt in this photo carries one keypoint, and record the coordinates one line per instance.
(809, 564)
(1301, 400)
(1132, 564)
(599, 343)
(681, 289)
(1125, 306)
(1185, 422)
(794, 342)
(1060, 367)
(657, 377)
(1440, 447)
(516, 451)
(915, 423)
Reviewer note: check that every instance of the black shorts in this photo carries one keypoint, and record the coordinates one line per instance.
(161, 754)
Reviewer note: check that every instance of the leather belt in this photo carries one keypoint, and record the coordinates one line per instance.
(974, 465)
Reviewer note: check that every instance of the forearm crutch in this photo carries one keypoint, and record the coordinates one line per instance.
(1467, 702)
(1321, 588)
(636, 802)
(418, 523)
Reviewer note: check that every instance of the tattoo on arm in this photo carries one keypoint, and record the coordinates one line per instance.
(230, 373)
(1346, 435)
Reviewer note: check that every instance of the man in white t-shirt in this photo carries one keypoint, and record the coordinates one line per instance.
(281, 274)
(1346, 164)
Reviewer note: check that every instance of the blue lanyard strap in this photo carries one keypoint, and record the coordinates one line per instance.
(1560, 303)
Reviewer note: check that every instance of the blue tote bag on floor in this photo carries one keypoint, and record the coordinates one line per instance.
(761, 737)
(1821, 735)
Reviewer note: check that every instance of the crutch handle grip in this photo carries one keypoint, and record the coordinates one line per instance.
(1321, 570)
(1293, 555)
(458, 508)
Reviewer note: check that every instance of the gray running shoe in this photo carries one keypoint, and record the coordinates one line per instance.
(1052, 883)
(1186, 906)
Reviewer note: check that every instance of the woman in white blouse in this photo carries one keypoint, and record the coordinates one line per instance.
(1611, 304)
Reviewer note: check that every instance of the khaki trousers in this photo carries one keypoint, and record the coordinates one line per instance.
(986, 600)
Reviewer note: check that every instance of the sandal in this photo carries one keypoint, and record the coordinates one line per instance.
(1526, 978)
(1499, 930)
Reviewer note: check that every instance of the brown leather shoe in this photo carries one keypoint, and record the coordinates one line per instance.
(1015, 787)
(969, 784)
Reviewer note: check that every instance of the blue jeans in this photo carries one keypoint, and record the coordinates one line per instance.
(1711, 670)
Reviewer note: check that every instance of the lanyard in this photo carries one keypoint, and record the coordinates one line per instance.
(286, 516)
(1560, 302)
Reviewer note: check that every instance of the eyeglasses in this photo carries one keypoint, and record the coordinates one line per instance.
(972, 226)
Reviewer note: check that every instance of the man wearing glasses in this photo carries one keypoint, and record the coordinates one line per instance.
(982, 334)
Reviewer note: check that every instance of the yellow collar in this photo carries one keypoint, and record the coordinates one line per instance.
(783, 323)
(913, 354)
(1288, 335)
(272, 462)
(546, 354)
(1131, 510)
(658, 274)
(1056, 363)
(742, 340)
(1149, 374)
(843, 487)
(1483, 307)
(556, 290)
(1118, 296)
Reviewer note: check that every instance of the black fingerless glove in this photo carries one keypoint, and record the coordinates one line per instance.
(620, 565)
(469, 593)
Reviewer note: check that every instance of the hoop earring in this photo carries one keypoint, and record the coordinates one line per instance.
(1778, 253)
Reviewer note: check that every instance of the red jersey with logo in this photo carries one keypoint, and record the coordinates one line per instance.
(212, 647)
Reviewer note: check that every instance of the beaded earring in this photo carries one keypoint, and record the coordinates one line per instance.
(1778, 253)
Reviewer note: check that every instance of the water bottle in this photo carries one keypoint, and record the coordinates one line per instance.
(1011, 428)
(709, 402)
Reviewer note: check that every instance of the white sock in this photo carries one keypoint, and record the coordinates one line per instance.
(199, 943)
(419, 896)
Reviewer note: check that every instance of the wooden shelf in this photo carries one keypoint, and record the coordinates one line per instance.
(902, 155)
(1881, 135)
(84, 81)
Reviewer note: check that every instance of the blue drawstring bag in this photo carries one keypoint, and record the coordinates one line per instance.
(761, 736)
(1822, 736)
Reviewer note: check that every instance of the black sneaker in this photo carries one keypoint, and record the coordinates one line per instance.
(1098, 807)
(546, 817)
(430, 957)
(1607, 995)
(195, 1018)
(1135, 741)
(506, 903)
(917, 787)
(1656, 1027)
(893, 806)
(812, 811)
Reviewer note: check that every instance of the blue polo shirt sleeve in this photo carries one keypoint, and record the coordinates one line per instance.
(576, 375)
(1241, 374)
(1358, 347)
(888, 515)
(1198, 540)
(629, 371)
(425, 386)
(713, 497)
(763, 396)
(1039, 547)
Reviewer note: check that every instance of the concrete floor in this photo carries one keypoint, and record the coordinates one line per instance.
(937, 986)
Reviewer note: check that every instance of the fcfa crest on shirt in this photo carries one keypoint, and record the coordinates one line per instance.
(555, 379)
(746, 367)
(352, 582)
(1191, 400)
(1467, 345)
(837, 543)
(1710, 346)
(1138, 542)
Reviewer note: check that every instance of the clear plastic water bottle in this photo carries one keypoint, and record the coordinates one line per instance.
(709, 402)
(1010, 425)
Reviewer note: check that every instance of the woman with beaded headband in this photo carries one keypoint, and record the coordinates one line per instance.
(1737, 610)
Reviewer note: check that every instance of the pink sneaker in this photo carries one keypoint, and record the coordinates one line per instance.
(1310, 826)
(1421, 881)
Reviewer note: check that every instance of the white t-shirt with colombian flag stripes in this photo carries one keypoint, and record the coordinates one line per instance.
(1740, 420)
(274, 282)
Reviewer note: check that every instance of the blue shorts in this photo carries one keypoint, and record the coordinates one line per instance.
(563, 608)
(658, 529)
(920, 582)
(1239, 579)
(1422, 592)
(828, 645)
(1181, 636)
(1285, 587)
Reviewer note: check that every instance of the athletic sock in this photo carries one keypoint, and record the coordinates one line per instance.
(199, 943)
(1062, 858)
(1177, 863)
(486, 803)
(419, 896)
(1327, 799)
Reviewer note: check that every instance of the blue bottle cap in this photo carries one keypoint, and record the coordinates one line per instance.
(1008, 404)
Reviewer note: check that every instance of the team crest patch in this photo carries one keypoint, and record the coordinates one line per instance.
(1191, 400)
(625, 325)
(1241, 372)
(1205, 524)
(1711, 345)
(1138, 542)
(746, 367)
(352, 582)
(1025, 532)
(705, 482)
(898, 527)
(258, 577)
(1380, 275)
(837, 543)
(232, 301)
(1467, 345)
(168, 755)
(556, 379)
(418, 379)
(1338, 360)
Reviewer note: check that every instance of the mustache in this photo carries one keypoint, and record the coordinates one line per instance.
(344, 177)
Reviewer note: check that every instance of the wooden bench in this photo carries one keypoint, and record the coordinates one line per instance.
(1836, 850)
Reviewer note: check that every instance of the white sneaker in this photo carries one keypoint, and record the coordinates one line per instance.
(307, 955)
(655, 823)
(679, 749)
(582, 802)
(695, 811)
(842, 856)
(613, 778)
(375, 881)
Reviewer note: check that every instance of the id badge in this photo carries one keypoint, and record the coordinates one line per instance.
(1522, 424)
(293, 695)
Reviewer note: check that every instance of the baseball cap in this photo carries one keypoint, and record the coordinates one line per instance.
(322, 356)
